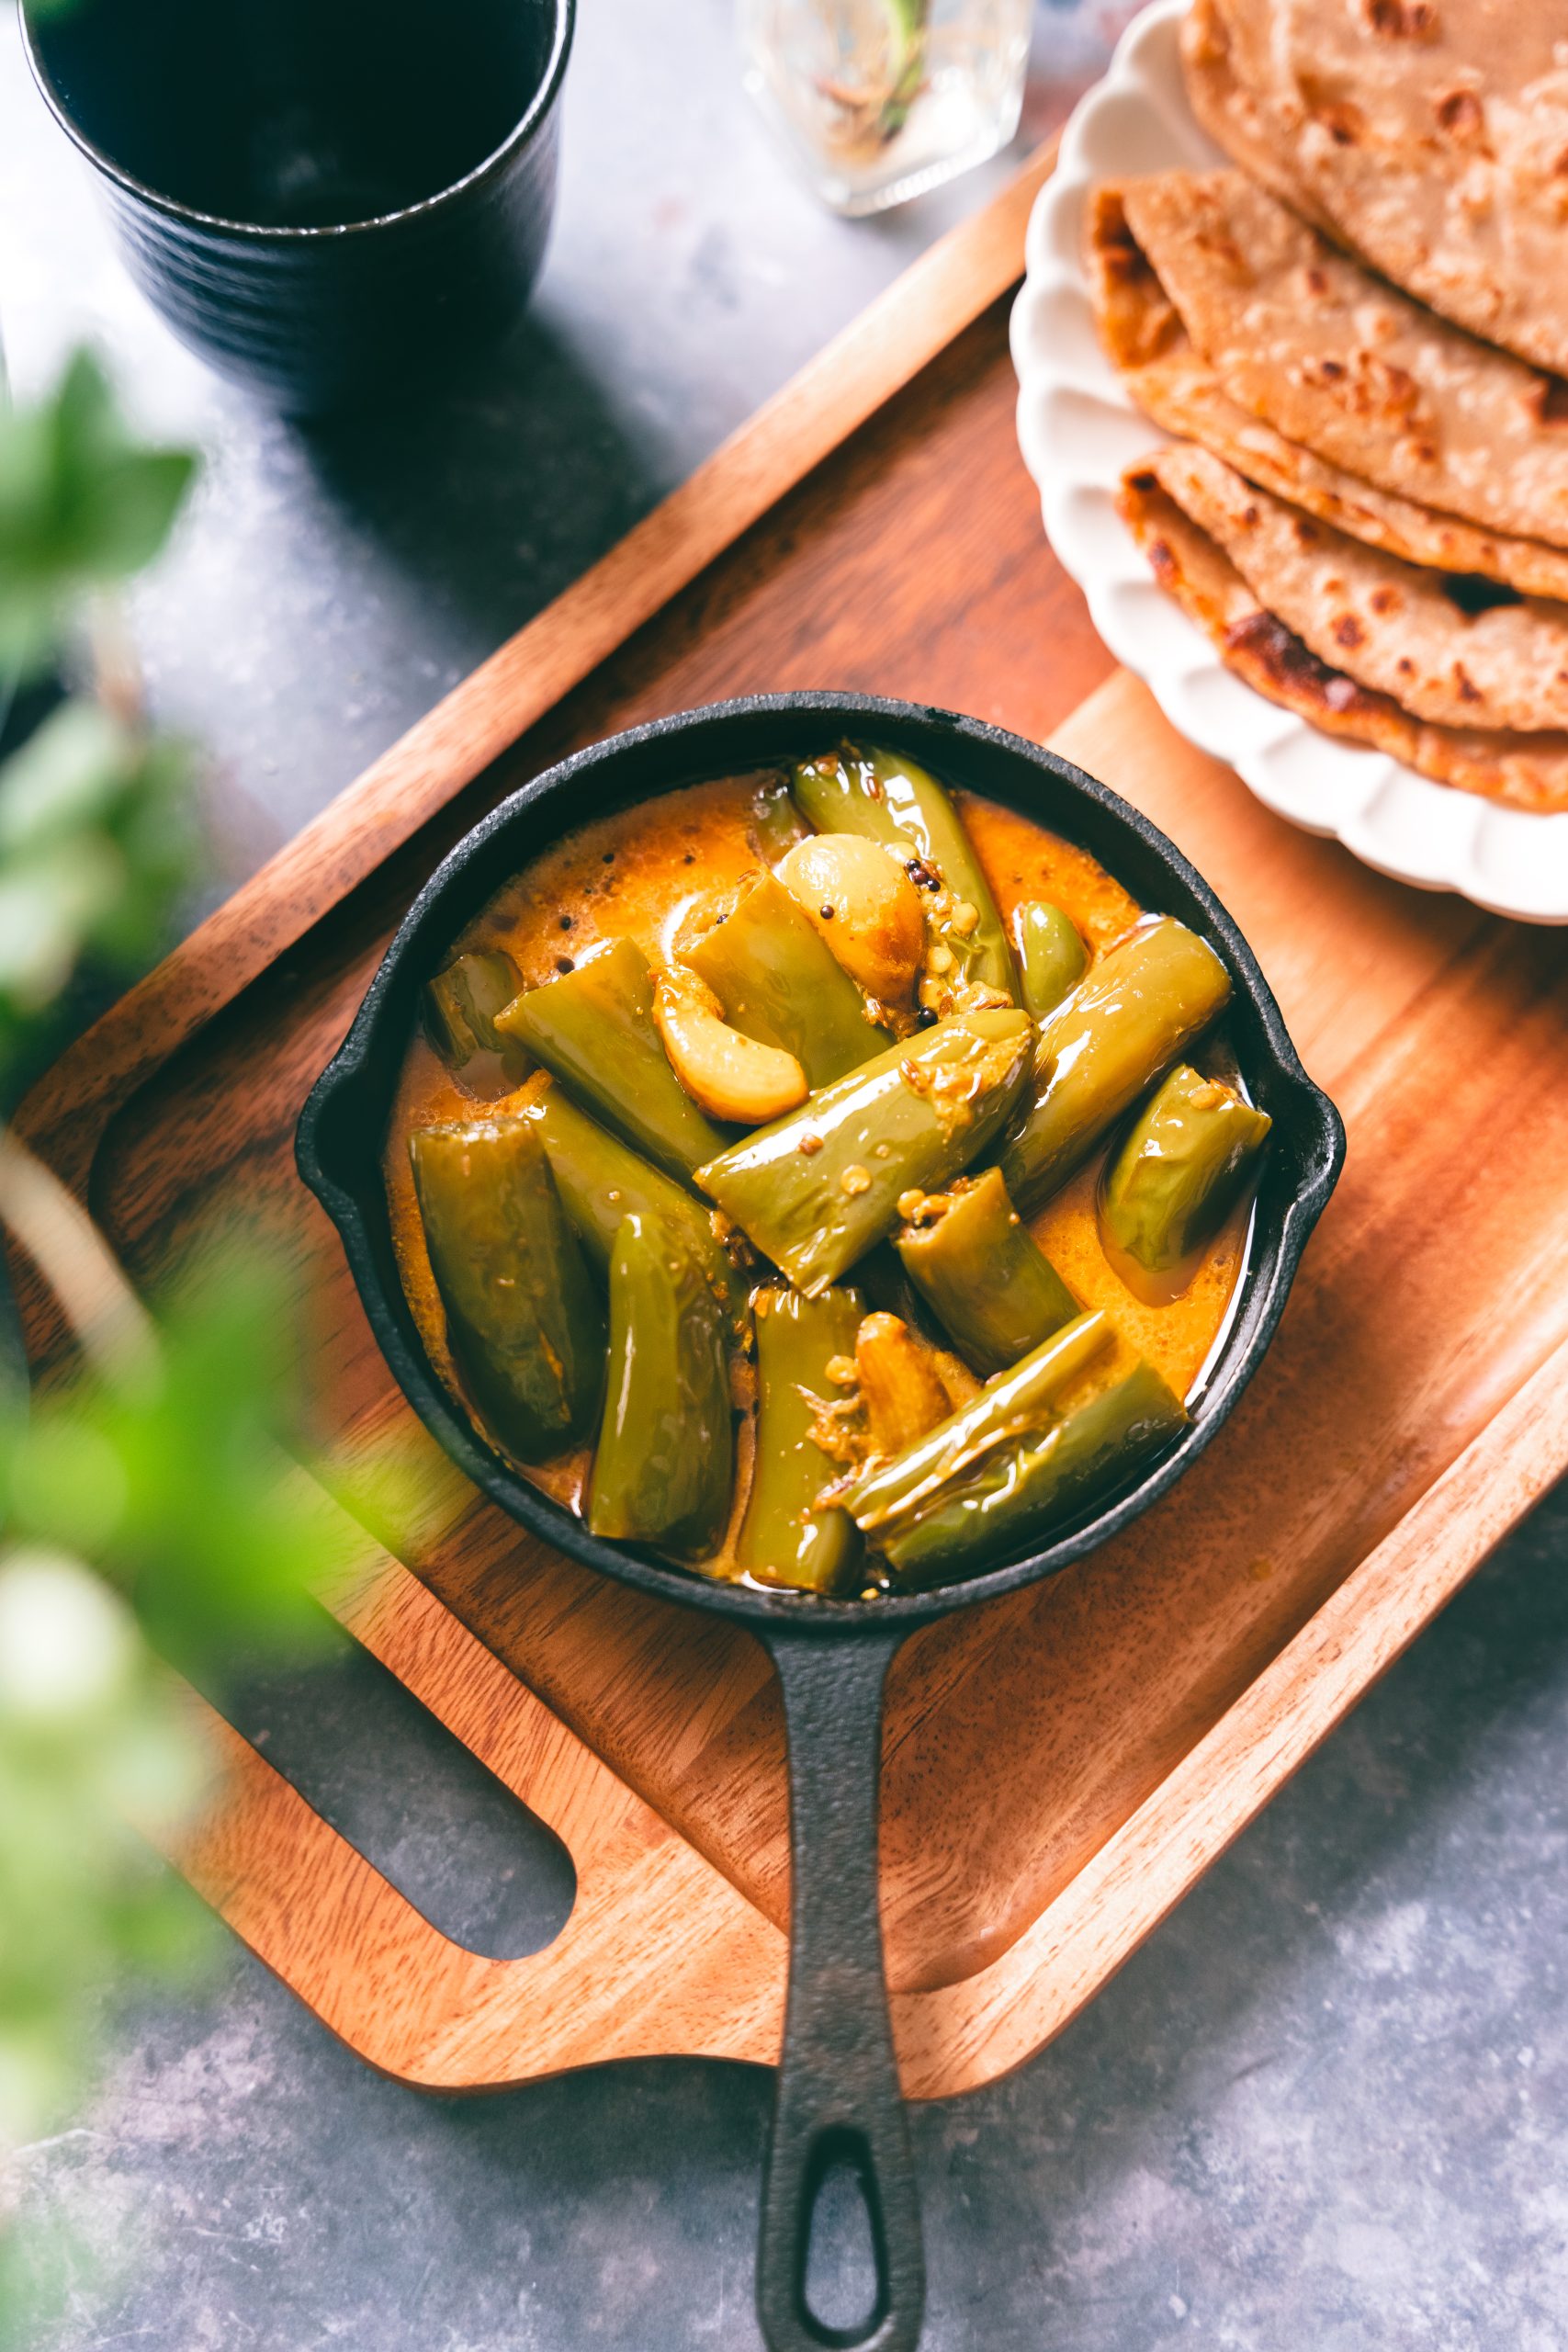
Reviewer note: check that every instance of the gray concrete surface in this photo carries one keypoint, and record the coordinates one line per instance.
(1326, 2106)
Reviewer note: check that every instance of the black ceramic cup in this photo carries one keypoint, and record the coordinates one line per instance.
(325, 200)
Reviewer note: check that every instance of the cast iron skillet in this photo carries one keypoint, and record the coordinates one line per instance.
(837, 2092)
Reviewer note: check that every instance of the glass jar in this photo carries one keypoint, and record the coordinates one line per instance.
(880, 100)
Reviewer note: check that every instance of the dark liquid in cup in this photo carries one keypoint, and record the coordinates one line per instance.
(296, 113)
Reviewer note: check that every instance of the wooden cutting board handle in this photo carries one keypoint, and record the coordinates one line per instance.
(660, 1954)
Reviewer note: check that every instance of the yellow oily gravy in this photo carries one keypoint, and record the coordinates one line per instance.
(634, 875)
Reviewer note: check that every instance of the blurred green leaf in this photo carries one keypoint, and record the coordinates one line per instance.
(178, 1485)
(83, 504)
(86, 1734)
(162, 1471)
(95, 846)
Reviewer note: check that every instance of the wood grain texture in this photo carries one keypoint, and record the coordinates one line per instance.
(406, 1996)
(1059, 1767)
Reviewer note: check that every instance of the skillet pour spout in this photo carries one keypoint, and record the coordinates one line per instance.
(838, 2097)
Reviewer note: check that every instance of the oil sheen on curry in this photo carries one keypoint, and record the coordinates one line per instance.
(821, 1180)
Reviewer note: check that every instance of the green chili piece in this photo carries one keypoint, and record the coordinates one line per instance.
(1052, 957)
(662, 1472)
(984, 1274)
(595, 1031)
(895, 801)
(1135, 1011)
(820, 1186)
(1018, 1498)
(460, 1007)
(601, 1181)
(1037, 1445)
(783, 1538)
(1181, 1171)
(1015, 1404)
(522, 1318)
(779, 982)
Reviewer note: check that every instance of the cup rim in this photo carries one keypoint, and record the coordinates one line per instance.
(564, 21)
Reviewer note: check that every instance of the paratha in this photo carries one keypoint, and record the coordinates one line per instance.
(1225, 64)
(1431, 136)
(1302, 336)
(1391, 626)
(1174, 386)
(1521, 770)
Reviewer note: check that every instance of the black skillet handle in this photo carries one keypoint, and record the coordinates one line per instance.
(838, 2098)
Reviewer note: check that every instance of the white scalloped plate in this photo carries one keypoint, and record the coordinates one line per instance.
(1078, 430)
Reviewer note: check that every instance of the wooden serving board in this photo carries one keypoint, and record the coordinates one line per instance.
(1060, 1767)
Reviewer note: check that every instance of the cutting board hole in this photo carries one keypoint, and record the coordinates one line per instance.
(840, 2284)
(389, 1778)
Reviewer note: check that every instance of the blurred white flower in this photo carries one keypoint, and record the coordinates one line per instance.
(68, 1644)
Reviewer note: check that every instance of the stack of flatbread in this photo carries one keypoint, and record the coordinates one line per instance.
(1365, 504)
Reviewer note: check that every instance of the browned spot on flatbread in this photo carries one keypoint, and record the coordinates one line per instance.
(1293, 666)
(1468, 689)
(1367, 385)
(1385, 388)
(1464, 117)
(1348, 632)
(1222, 247)
(1402, 19)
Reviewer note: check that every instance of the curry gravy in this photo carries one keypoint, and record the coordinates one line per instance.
(635, 874)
